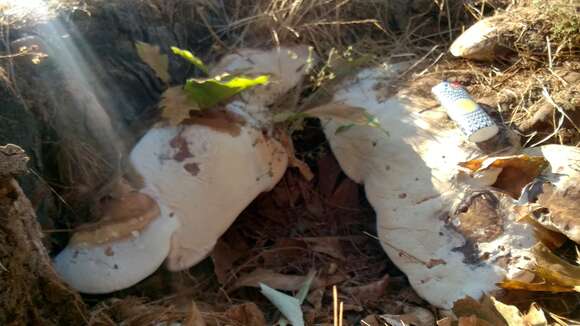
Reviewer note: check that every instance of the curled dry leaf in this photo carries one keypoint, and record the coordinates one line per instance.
(552, 274)
(246, 314)
(176, 105)
(369, 292)
(511, 173)
(326, 245)
(194, 316)
(513, 316)
(412, 316)
(484, 311)
(346, 114)
(561, 195)
(223, 256)
(151, 55)
(272, 279)
(563, 208)
(293, 161)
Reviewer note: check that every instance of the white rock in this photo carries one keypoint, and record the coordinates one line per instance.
(477, 42)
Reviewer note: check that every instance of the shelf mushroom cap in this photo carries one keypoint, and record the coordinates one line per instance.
(206, 177)
(199, 175)
(128, 244)
(450, 239)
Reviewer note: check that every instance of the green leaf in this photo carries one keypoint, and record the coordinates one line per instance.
(191, 58)
(289, 306)
(151, 55)
(212, 91)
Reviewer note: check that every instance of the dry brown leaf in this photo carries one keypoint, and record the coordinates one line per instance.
(551, 239)
(511, 314)
(412, 316)
(246, 314)
(534, 287)
(270, 278)
(554, 274)
(535, 316)
(517, 171)
(346, 194)
(315, 298)
(326, 245)
(447, 321)
(477, 313)
(175, 105)
(340, 113)
(224, 256)
(564, 208)
(369, 292)
(293, 161)
(194, 317)
(473, 321)
(151, 55)
(328, 173)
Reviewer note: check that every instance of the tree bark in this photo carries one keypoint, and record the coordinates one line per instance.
(30, 291)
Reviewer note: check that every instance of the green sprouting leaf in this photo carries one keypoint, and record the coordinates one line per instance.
(151, 55)
(212, 91)
(191, 58)
(289, 306)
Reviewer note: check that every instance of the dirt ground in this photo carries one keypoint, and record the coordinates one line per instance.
(323, 225)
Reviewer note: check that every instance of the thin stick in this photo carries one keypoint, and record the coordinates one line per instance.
(335, 304)
(340, 311)
(550, 62)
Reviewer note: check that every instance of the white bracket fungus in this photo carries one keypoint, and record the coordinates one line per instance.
(451, 239)
(197, 176)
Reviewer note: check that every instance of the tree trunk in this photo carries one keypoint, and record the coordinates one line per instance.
(30, 291)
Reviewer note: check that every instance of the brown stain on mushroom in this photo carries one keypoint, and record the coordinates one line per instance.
(123, 217)
(109, 251)
(219, 120)
(192, 168)
(180, 143)
(478, 219)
